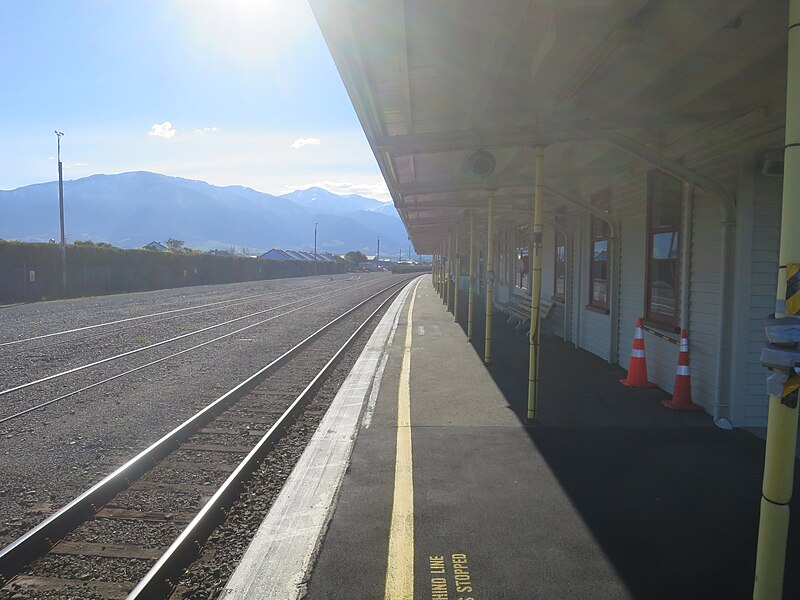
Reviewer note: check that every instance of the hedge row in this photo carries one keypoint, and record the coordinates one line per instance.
(33, 271)
(411, 269)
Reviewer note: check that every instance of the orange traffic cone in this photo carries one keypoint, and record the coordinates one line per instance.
(637, 368)
(682, 395)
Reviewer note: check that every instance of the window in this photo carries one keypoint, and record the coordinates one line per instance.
(560, 267)
(664, 199)
(598, 259)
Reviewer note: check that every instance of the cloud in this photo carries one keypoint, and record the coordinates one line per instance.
(300, 142)
(206, 130)
(164, 130)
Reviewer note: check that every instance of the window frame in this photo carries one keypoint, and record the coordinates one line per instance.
(601, 199)
(656, 319)
(556, 261)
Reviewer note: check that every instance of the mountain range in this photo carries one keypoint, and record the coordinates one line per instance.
(131, 209)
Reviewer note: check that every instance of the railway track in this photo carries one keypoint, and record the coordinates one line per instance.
(292, 307)
(172, 314)
(114, 534)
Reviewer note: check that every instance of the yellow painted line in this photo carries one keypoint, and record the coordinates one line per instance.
(400, 569)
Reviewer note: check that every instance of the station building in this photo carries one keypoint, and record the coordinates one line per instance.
(662, 128)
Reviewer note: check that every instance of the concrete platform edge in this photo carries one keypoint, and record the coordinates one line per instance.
(277, 562)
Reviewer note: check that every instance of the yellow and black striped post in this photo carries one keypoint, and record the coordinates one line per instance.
(773, 527)
(536, 289)
(457, 276)
(487, 353)
(471, 301)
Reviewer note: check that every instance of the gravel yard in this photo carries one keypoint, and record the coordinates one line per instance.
(49, 456)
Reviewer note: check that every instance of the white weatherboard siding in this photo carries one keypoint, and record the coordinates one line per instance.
(628, 206)
(704, 299)
(595, 332)
(742, 300)
(706, 277)
(594, 326)
(555, 322)
(577, 287)
(752, 408)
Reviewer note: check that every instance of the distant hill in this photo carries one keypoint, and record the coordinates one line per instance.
(132, 209)
(322, 201)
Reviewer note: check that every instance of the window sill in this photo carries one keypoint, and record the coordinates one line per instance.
(661, 330)
(597, 309)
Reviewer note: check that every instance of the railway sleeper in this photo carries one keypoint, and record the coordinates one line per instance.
(78, 588)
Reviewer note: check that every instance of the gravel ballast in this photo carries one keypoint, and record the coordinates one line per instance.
(50, 456)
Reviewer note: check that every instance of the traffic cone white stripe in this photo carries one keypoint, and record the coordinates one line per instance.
(637, 368)
(682, 393)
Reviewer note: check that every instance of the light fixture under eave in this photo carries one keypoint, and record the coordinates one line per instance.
(772, 165)
(481, 163)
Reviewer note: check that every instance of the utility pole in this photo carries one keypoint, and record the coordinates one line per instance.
(315, 248)
(378, 255)
(401, 255)
(61, 215)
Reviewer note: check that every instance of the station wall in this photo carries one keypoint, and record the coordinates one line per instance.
(726, 308)
(725, 330)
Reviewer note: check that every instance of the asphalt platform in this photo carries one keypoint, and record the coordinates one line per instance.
(607, 495)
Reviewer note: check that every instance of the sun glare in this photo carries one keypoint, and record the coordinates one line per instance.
(247, 32)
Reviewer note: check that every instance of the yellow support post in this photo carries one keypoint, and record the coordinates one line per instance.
(444, 275)
(487, 355)
(433, 270)
(471, 301)
(773, 525)
(536, 290)
(448, 273)
(457, 275)
(436, 271)
(439, 289)
(439, 260)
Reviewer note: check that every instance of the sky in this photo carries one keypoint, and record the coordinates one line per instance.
(233, 92)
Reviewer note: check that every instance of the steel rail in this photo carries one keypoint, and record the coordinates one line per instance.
(157, 582)
(166, 312)
(43, 536)
(155, 362)
(168, 341)
(108, 332)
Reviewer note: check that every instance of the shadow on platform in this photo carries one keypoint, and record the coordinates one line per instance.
(672, 500)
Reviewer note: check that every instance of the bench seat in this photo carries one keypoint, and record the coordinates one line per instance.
(518, 310)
